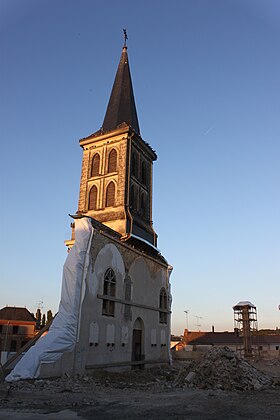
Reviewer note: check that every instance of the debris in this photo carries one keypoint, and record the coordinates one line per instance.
(221, 368)
(190, 376)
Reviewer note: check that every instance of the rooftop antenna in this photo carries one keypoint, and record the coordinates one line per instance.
(187, 317)
(125, 37)
(40, 305)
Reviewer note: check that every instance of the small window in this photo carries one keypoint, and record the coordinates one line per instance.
(112, 161)
(92, 202)
(109, 289)
(95, 165)
(276, 347)
(163, 306)
(13, 346)
(110, 195)
(15, 329)
(127, 288)
(23, 343)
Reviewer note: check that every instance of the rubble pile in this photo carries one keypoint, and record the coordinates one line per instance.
(221, 368)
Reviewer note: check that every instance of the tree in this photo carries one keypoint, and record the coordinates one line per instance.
(43, 323)
(38, 319)
(49, 316)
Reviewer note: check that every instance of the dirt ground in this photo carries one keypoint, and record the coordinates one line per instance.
(153, 393)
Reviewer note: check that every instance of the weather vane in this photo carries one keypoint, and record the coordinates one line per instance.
(125, 37)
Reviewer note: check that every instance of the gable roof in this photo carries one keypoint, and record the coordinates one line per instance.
(13, 313)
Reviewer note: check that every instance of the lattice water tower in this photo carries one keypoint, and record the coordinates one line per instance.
(245, 322)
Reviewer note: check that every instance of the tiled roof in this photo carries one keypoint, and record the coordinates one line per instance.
(13, 313)
(226, 338)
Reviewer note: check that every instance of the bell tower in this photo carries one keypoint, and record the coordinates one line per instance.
(117, 165)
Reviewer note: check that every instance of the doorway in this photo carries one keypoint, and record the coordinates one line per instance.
(137, 344)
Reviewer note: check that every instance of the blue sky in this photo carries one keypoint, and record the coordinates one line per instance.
(206, 83)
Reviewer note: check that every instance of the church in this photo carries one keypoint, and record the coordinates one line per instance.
(115, 306)
(126, 310)
(125, 315)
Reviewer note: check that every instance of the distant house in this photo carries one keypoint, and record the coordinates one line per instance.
(17, 327)
(199, 341)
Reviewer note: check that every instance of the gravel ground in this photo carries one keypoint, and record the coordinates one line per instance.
(155, 393)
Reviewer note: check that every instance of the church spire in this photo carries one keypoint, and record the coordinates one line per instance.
(121, 107)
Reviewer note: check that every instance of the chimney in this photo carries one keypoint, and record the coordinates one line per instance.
(213, 328)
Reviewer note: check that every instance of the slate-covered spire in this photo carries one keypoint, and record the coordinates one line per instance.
(121, 107)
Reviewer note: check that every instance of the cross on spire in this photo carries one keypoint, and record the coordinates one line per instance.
(125, 37)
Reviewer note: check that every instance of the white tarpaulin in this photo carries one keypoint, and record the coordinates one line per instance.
(63, 332)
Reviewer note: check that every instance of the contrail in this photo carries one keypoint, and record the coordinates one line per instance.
(209, 129)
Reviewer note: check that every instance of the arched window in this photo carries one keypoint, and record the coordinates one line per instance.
(143, 209)
(163, 306)
(132, 194)
(144, 173)
(110, 195)
(134, 164)
(133, 197)
(109, 290)
(95, 165)
(112, 161)
(92, 201)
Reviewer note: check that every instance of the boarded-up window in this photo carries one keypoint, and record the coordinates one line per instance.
(92, 202)
(112, 161)
(95, 165)
(110, 195)
(93, 333)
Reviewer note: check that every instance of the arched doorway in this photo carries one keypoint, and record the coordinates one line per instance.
(138, 344)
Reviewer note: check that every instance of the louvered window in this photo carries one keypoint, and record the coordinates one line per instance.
(144, 173)
(143, 209)
(95, 165)
(112, 161)
(92, 202)
(134, 165)
(133, 198)
(110, 195)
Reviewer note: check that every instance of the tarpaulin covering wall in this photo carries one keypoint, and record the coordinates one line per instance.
(64, 331)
